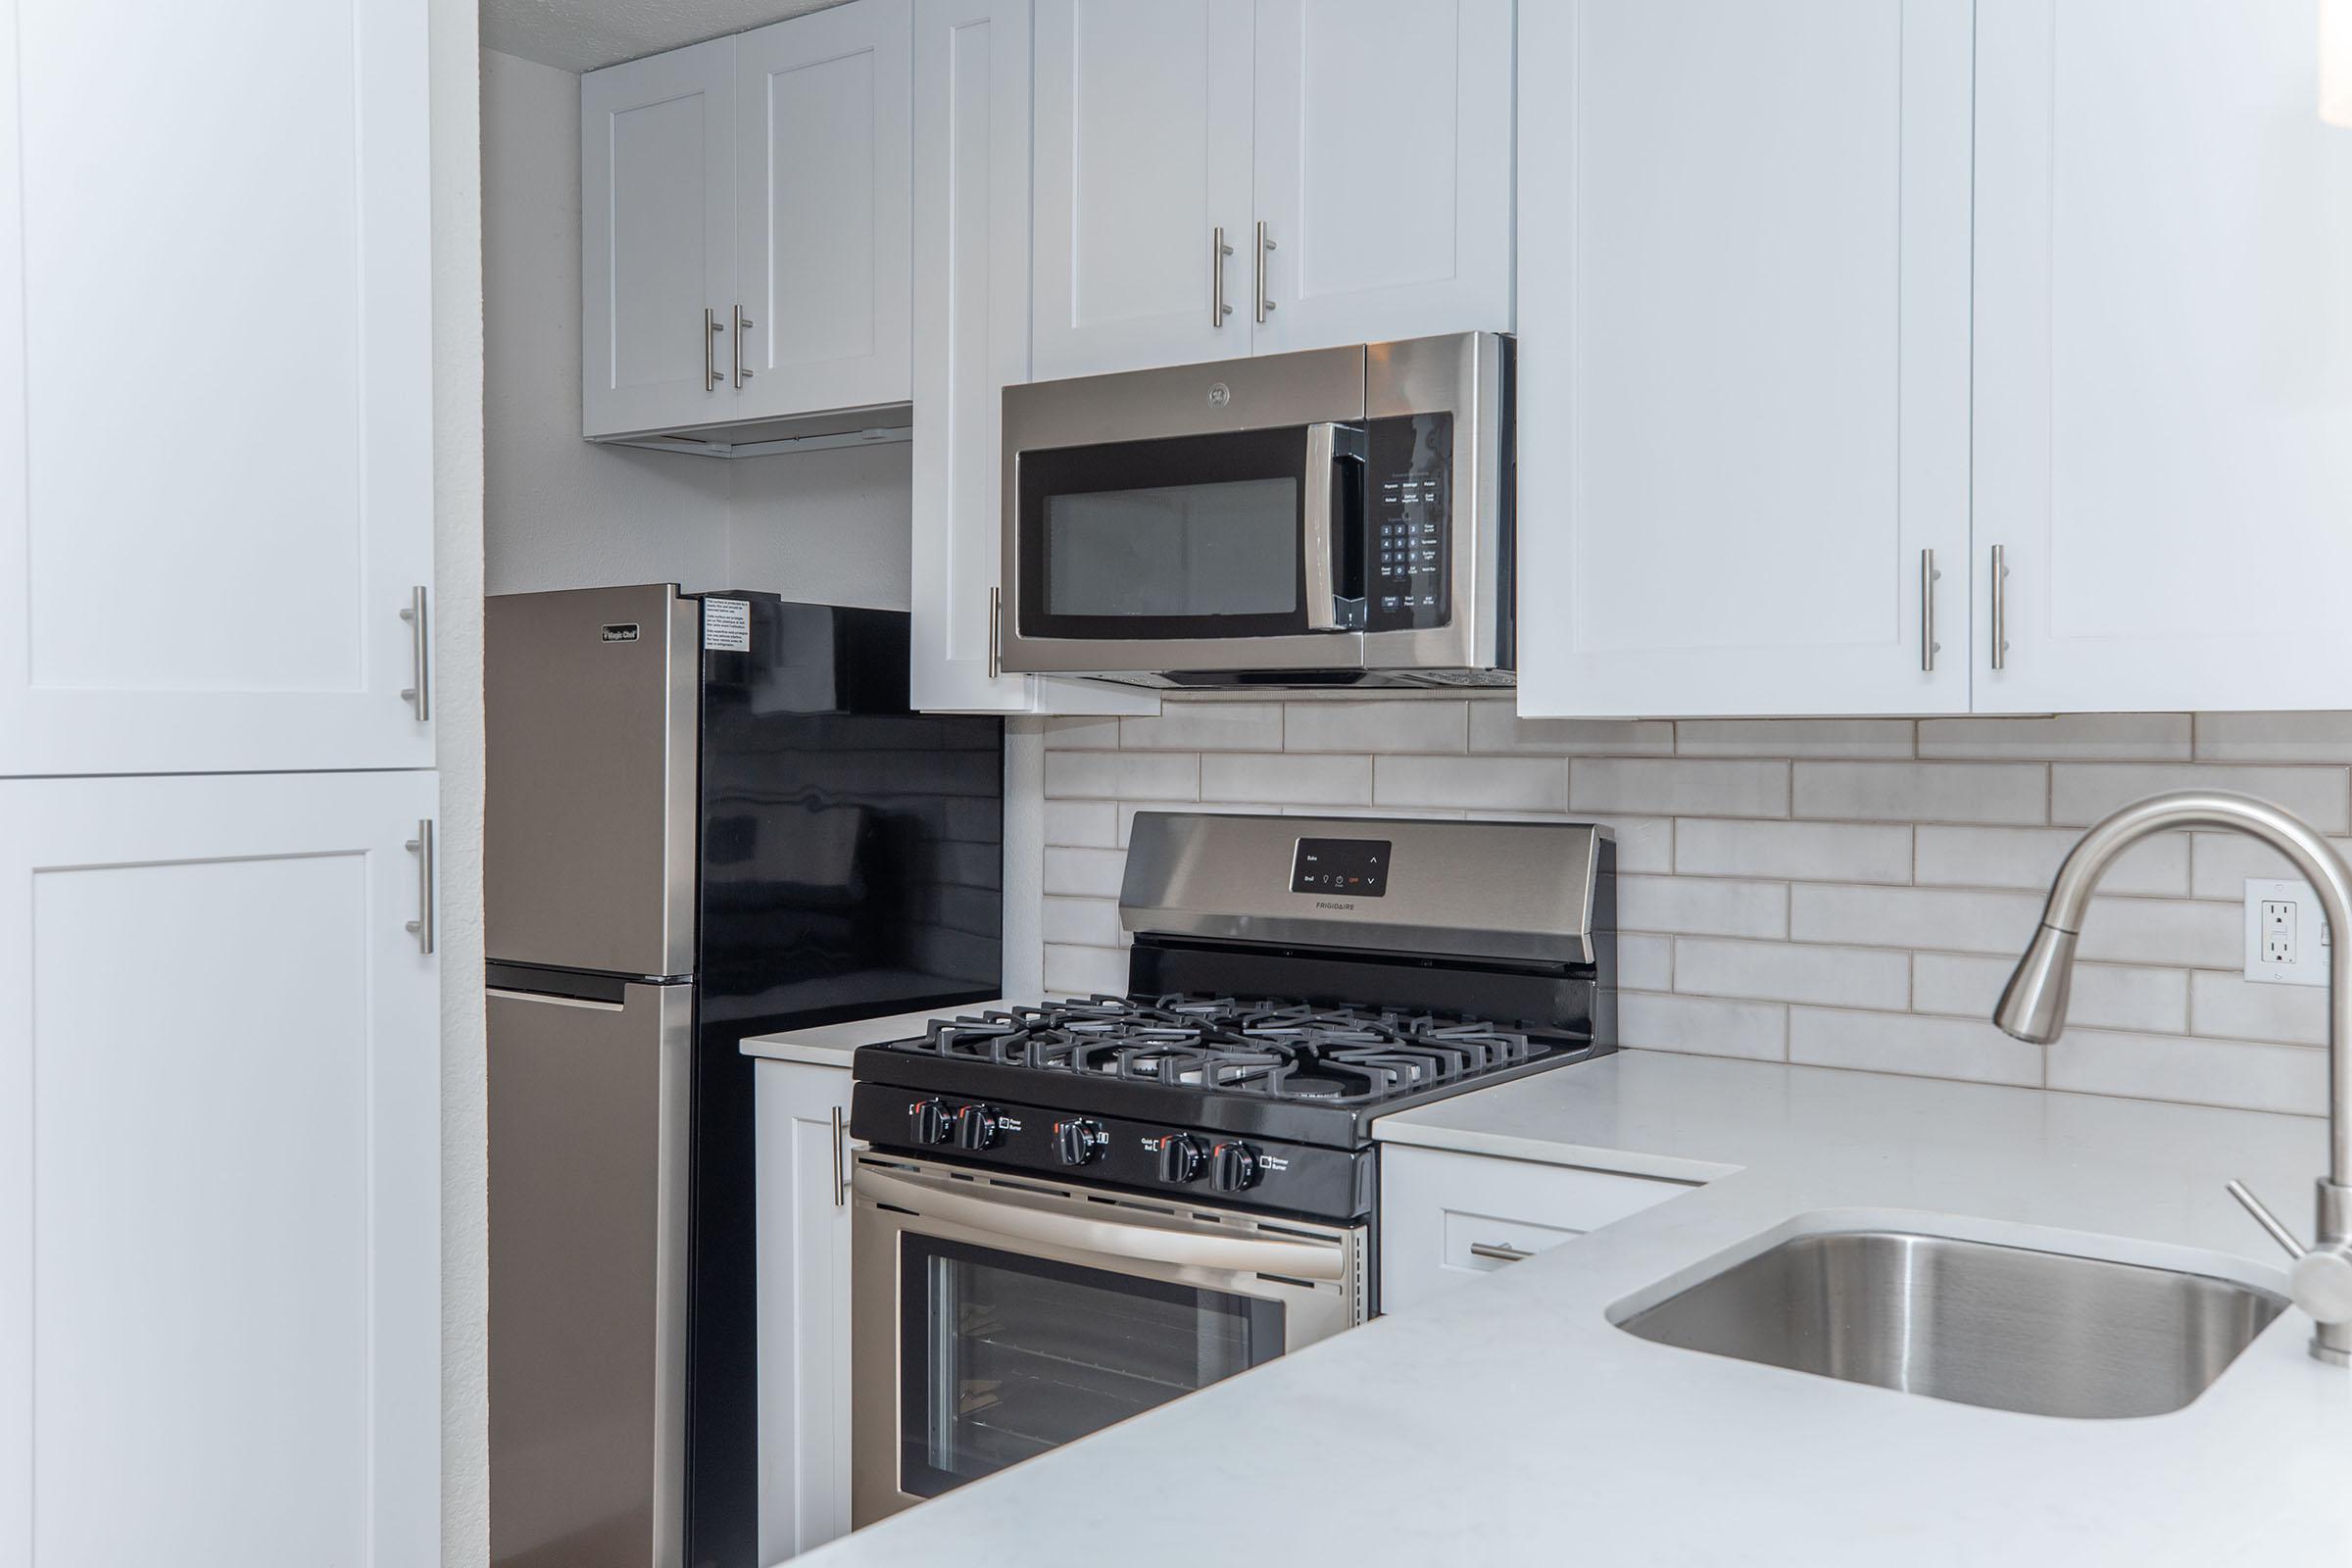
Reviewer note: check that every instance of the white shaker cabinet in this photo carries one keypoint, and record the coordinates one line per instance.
(971, 315)
(1143, 199)
(1383, 171)
(1743, 367)
(2163, 358)
(819, 312)
(657, 142)
(801, 1112)
(219, 1172)
(215, 388)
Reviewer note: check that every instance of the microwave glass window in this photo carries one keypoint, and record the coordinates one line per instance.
(1220, 548)
(1003, 1356)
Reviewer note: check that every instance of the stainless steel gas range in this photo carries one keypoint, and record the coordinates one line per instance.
(1070, 1213)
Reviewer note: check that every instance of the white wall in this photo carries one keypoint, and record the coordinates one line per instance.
(563, 512)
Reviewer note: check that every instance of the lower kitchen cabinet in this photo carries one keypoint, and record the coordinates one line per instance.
(1445, 1218)
(803, 1110)
(219, 1171)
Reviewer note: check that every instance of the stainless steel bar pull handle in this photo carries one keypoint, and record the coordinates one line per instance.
(420, 690)
(1265, 248)
(1928, 647)
(421, 846)
(2000, 607)
(1218, 250)
(742, 323)
(996, 632)
(1314, 528)
(841, 1173)
(1496, 1251)
(711, 331)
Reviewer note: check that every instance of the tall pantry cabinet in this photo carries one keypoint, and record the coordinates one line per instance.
(220, 1044)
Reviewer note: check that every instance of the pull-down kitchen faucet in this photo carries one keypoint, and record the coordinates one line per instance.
(2034, 1009)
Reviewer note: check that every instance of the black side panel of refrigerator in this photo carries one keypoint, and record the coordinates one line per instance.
(851, 865)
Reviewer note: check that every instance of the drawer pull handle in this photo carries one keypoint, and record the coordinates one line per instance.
(1500, 1251)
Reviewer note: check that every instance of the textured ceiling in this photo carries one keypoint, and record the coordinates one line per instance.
(583, 34)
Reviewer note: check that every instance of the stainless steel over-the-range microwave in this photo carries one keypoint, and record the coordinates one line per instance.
(1330, 518)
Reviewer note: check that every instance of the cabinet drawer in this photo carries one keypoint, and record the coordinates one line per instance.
(1445, 1218)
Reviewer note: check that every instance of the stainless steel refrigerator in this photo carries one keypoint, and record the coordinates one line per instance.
(708, 816)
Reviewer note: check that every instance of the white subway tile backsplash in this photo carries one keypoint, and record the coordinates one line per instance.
(1468, 783)
(1924, 792)
(1846, 892)
(1783, 971)
(1281, 780)
(2275, 737)
(2105, 996)
(1901, 1042)
(1206, 727)
(1678, 788)
(2204, 1072)
(1495, 729)
(2029, 857)
(2071, 737)
(1121, 775)
(2080, 793)
(1702, 1026)
(1690, 904)
(1384, 725)
(1793, 737)
(1815, 851)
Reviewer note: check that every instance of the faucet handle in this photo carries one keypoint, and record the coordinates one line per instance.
(2267, 1221)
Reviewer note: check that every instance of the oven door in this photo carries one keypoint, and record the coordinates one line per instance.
(1000, 1317)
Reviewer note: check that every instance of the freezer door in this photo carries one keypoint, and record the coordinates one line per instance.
(588, 841)
(588, 1178)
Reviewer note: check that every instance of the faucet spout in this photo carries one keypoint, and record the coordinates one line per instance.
(2033, 1006)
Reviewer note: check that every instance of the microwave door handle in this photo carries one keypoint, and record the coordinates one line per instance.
(1014, 1222)
(1325, 611)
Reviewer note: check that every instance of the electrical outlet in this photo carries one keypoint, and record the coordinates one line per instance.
(2287, 935)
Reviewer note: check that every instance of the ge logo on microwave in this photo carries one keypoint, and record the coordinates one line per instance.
(1219, 394)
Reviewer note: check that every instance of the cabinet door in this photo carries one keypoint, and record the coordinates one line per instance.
(1744, 355)
(215, 399)
(803, 1283)
(1384, 171)
(971, 310)
(658, 241)
(220, 1173)
(1143, 155)
(823, 117)
(2164, 357)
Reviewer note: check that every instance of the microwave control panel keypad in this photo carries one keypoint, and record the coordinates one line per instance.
(1408, 569)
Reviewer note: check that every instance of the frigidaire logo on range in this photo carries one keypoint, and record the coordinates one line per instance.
(625, 633)
(1333, 904)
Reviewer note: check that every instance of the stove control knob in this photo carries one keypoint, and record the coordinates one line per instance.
(1180, 1157)
(1233, 1166)
(1079, 1141)
(927, 1123)
(975, 1127)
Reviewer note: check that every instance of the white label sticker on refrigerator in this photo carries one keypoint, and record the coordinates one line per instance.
(727, 625)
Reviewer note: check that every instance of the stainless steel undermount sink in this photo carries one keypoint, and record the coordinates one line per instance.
(1972, 1322)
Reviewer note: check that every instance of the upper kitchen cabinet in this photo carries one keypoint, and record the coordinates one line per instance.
(971, 340)
(1383, 171)
(744, 226)
(819, 312)
(1220, 178)
(658, 241)
(2163, 358)
(1143, 198)
(1744, 367)
(216, 389)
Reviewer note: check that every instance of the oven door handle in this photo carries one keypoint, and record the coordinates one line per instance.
(1149, 1243)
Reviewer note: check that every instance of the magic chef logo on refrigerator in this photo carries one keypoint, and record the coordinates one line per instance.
(624, 633)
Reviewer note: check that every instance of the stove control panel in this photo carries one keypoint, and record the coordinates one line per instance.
(1188, 1165)
(1357, 867)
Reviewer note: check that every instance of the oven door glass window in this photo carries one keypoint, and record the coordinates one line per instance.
(1187, 537)
(1003, 1356)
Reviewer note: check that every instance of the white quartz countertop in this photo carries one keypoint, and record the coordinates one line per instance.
(832, 1045)
(1510, 1421)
